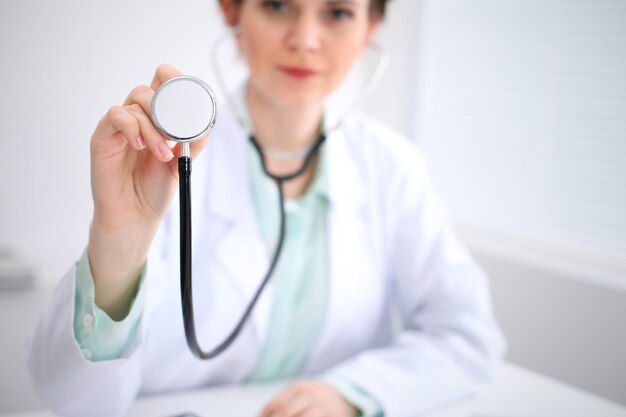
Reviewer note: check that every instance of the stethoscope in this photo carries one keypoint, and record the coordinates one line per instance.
(184, 109)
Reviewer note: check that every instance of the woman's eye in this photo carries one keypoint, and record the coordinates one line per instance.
(340, 14)
(275, 5)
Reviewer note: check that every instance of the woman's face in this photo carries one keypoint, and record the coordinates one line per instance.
(299, 51)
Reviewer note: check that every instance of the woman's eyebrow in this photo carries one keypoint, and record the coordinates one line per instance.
(335, 2)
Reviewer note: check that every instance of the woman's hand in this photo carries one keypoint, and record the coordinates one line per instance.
(134, 177)
(134, 173)
(309, 399)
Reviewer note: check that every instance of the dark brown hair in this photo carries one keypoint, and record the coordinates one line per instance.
(377, 8)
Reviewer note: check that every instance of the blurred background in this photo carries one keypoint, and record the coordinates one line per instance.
(519, 106)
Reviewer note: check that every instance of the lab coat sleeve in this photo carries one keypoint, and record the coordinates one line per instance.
(364, 403)
(68, 383)
(449, 339)
(99, 336)
(64, 380)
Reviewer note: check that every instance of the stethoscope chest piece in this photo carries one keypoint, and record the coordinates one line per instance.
(184, 109)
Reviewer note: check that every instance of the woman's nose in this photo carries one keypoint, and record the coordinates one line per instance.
(304, 34)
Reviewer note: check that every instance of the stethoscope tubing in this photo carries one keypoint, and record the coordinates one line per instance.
(186, 284)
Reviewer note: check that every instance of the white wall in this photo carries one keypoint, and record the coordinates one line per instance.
(566, 328)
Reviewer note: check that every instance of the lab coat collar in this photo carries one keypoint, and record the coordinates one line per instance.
(228, 186)
(347, 190)
(234, 242)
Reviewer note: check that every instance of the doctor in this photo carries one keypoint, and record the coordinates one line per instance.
(375, 304)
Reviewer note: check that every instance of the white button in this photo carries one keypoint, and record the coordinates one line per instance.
(87, 353)
(88, 320)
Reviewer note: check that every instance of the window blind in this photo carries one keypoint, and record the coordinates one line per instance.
(521, 112)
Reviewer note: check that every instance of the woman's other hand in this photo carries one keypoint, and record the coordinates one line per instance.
(309, 399)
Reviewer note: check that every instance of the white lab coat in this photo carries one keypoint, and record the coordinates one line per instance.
(408, 316)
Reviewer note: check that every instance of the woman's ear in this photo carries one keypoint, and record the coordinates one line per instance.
(231, 12)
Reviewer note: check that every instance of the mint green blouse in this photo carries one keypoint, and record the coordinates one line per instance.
(300, 279)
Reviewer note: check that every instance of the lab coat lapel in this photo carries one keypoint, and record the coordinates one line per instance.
(234, 242)
(350, 257)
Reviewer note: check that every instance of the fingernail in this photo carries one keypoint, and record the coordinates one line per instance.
(165, 150)
(140, 142)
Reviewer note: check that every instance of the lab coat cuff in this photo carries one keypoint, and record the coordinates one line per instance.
(359, 398)
(99, 336)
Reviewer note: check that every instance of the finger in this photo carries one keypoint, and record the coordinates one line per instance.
(142, 95)
(153, 139)
(274, 406)
(163, 73)
(140, 101)
(294, 406)
(270, 408)
(314, 411)
(281, 397)
(118, 119)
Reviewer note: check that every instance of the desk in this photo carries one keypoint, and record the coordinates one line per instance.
(516, 392)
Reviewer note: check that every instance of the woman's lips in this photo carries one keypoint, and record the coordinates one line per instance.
(299, 72)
